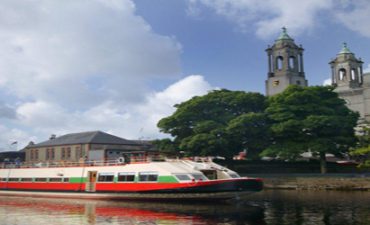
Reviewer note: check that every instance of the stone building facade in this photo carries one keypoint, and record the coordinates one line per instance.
(351, 83)
(285, 65)
(94, 145)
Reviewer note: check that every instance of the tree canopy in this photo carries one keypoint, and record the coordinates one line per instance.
(310, 118)
(362, 149)
(216, 123)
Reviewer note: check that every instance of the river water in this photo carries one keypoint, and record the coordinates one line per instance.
(265, 208)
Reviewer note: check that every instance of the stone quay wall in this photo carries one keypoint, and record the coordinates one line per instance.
(318, 183)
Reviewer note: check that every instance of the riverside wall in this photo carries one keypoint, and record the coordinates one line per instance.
(345, 182)
(304, 175)
(304, 183)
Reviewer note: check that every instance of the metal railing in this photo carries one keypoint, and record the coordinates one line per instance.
(51, 164)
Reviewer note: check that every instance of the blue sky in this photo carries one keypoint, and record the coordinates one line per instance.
(120, 65)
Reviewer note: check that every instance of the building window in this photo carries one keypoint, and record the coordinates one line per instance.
(79, 152)
(68, 152)
(298, 82)
(342, 74)
(126, 177)
(63, 153)
(48, 154)
(279, 62)
(353, 74)
(291, 62)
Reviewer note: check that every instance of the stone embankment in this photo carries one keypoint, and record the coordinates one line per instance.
(318, 183)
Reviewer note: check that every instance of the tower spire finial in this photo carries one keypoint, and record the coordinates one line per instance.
(284, 35)
(345, 49)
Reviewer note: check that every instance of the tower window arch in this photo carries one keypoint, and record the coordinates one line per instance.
(342, 74)
(291, 62)
(279, 62)
(353, 74)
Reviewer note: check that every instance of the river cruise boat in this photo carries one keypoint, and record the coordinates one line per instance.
(117, 180)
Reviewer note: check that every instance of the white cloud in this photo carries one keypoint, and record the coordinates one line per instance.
(355, 16)
(80, 53)
(267, 17)
(129, 121)
(327, 82)
(79, 65)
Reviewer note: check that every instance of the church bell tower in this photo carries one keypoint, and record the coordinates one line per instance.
(285, 65)
(346, 70)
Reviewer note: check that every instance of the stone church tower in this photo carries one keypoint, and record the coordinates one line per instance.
(285, 65)
(350, 83)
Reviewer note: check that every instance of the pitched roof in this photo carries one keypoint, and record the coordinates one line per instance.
(92, 137)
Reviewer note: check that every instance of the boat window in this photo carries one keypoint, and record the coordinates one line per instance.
(148, 176)
(40, 179)
(55, 179)
(106, 177)
(210, 174)
(3, 179)
(26, 179)
(13, 179)
(199, 176)
(182, 177)
(66, 179)
(234, 175)
(126, 177)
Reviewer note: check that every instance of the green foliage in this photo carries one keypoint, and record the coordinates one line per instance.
(249, 131)
(205, 125)
(225, 122)
(309, 118)
(362, 150)
(165, 146)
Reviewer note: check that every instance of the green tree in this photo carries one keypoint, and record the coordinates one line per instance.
(310, 119)
(165, 146)
(200, 126)
(250, 132)
(362, 149)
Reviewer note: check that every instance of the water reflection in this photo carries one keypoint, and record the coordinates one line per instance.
(265, 208)
(15, 210)
(315, 207)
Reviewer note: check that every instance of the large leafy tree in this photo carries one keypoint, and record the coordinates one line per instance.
(310, 119)
(362, 149)
(207, 125)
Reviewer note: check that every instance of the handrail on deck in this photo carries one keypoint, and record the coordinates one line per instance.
(47, 164)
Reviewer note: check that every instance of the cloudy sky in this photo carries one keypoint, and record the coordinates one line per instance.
(120, 65)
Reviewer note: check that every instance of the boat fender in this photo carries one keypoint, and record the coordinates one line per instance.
(121, 159)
